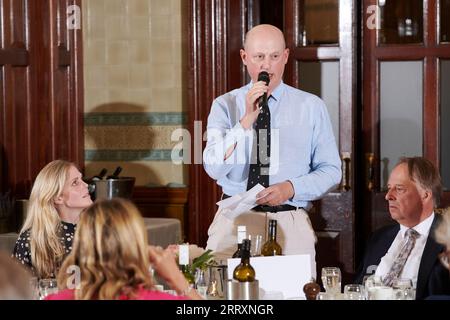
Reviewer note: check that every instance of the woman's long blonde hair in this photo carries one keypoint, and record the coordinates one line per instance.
(110, 249)
(43, 219)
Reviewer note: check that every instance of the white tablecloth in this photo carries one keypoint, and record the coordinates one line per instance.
(160, 232)
(163, 231)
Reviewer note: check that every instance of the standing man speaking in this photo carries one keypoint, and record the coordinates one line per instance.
(278, 136)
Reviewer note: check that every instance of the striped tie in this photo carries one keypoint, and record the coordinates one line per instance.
(411, 235)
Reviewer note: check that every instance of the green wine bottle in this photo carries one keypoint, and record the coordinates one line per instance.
(271, 247)
(244, 272)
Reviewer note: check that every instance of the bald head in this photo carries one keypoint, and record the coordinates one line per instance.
(264, 31)
(265, 50)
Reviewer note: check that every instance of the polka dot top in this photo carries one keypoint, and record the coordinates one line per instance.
(22, 250)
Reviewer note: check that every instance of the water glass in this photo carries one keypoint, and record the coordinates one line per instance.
(331, 279)
(34, 288)
(381, 293)
(324, 296)
(256, 244)
(403, 289)
(46, 287)
(369, 283)
(354, 292)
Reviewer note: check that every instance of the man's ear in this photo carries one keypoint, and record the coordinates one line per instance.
(427, 195)
(243, 56)
(286, 55)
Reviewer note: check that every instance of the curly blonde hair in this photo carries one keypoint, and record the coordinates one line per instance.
(110, 248)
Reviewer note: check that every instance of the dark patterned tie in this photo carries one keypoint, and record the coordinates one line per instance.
(411, 235)
(260, 162)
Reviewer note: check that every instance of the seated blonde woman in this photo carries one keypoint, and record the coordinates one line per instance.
(58, 196)
(113, 258)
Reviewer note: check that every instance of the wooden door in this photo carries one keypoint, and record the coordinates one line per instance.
(321, 36)
(405, 63)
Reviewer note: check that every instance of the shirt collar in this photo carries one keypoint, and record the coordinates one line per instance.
(276, 94)
(422, 228)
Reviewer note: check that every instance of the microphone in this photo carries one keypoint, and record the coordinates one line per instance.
(263, 76)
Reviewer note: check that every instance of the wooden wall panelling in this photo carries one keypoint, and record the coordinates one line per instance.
(67, 84)
(16, 99)
(216, 30)
(41, 100)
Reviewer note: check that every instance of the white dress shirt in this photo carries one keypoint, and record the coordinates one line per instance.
(411, 268)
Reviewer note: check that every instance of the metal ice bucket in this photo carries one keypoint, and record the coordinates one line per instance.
(242, 290)
(217, 278)
(121, 187)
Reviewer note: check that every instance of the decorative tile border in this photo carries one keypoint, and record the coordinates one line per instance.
(134, 118)
(130, 155)
(129, 137)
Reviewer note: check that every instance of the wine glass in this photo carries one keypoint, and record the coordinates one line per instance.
(47, 287)
(354, 292)
(331, 280)
(370, 284)
(403, 289)
(324, 296)
(34, 287)
(256, 244)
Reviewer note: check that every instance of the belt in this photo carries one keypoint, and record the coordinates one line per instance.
(264, 208)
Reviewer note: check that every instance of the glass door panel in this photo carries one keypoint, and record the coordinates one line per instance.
(401, 21)
(401, 118)
(320, 22)
(322, 79)
(445, 123)
(444, 19)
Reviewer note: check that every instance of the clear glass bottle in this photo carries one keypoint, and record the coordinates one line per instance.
(241, 235)
(272, 247)
(244, 271)
(200, 283)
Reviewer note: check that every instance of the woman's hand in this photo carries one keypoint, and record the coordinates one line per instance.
(164, 263)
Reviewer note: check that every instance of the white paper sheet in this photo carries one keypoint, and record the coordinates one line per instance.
(240, 203)
(280, 276)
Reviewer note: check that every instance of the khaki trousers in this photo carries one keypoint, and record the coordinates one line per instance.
(294, 233)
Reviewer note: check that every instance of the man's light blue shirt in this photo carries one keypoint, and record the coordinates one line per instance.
(303, 147)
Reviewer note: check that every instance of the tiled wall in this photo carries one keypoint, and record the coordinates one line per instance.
(134, 94)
